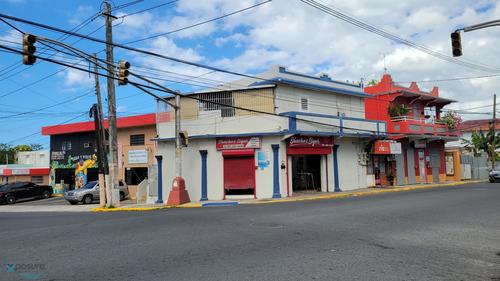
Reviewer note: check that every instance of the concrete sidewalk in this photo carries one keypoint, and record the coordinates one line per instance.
(295, 198)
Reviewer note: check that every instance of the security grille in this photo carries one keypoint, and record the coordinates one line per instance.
(137, 139)
(220, 101)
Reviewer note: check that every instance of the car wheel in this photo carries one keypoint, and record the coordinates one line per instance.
(122, 196)
(73, 202)
(492, 181)
(10, 200)
(45, 194)
(87, 199)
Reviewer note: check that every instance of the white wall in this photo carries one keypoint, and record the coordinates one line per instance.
(352, 175)
(215, 174)
(39, 158)
(287, 99)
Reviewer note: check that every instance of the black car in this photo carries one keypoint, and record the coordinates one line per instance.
(494, 176)
(12, 192)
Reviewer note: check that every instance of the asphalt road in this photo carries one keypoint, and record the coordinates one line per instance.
(434, 234)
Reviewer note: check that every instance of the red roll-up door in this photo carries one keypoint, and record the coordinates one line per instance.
(239, 172)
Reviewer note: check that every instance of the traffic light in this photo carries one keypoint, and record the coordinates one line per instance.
(184, 138)
(29, 49)
(456, 44)
(123, 67)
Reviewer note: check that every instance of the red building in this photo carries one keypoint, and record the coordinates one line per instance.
(414, 119)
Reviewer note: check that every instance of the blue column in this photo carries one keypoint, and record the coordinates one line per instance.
(204, 196)
(276, 171)
(336, 184)
(159, 159)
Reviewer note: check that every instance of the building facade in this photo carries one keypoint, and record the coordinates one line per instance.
(32, 166)
(414, 122)
(271, 137)
(73, 152)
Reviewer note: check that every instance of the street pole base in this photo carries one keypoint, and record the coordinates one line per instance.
(178, 195)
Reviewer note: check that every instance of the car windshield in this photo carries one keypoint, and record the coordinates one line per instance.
(90, 185)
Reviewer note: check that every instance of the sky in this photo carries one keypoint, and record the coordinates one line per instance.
(281, 32)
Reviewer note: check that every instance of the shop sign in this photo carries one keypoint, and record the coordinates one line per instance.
(1, 172)
(237, 143)
(386, 147)
(304, 141)
(139, 156)
(20, 171)
(262, 159)
(57, 155)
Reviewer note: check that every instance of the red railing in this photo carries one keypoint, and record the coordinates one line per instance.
(407, 125)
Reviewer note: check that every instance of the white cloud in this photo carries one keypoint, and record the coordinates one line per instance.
(81, 13)
(74, 78)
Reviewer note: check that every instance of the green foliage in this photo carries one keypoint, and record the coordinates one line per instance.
(396, 110)
(481, 142)
(372, 82)
(8, 152)
(451, 119)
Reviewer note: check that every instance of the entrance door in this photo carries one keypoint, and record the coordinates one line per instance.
(435, 163)
(306, 172)
(421, 166)
(410, 157)
(400, 169)
(239, 175)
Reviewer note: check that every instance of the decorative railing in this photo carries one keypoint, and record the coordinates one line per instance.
(409, 125)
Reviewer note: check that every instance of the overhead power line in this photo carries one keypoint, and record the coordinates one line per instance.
(373, 29)
(148, 9)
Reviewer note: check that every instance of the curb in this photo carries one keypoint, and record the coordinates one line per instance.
(285, 200)
(57, 195)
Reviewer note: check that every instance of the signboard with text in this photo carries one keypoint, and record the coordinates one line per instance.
(237, 143)
(305, 141)
(386, 147)
(139, 156)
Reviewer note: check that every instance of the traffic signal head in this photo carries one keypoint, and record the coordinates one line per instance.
(123, 72)
(29, 49)
(456, 44)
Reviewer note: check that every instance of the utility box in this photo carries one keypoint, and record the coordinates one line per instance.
(116, 197)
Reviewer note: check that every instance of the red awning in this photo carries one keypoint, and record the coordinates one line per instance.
(308, 150)
(238, 152)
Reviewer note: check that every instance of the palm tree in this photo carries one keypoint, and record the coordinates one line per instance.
(478, 143)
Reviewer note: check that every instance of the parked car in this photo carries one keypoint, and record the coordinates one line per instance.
(90, 193)
(495, 176)
(12, 192)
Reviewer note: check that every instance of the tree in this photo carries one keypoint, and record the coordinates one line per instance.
(481, 142)
(372, 82)
(7, 154)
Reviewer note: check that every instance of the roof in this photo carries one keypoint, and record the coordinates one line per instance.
(311, 86)
(478, 125)
(122, 122)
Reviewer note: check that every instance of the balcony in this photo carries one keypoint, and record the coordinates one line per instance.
(409, 125)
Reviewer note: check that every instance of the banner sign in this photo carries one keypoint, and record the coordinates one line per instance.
(237, 143)
(20, 172)
(304, 141)
(139, 156)
(386, 147)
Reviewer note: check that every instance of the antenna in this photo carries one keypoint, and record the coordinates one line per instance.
(385, 66)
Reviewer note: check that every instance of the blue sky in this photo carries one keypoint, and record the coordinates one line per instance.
(287, 33)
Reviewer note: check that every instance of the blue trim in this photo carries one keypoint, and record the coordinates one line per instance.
(336, 184)
(276, 171)
(322, 78)
(310, 86)
(159, 159)
(204, 196)
(341, 123)
(295, 113)
(219, 204)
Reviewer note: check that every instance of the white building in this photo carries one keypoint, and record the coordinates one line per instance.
(302, 133)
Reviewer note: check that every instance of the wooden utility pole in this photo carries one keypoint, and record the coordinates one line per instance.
(100, 134)
(493, 153)
(113, 138)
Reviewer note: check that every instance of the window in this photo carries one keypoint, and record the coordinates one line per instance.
(37, 179)
(304, 104)
(66, 145)
(220, 101)
(137, 139)
(86, 145)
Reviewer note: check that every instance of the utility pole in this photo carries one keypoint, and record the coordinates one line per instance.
(493, 131)
(113, 138)
(100, 136)
(178, 148)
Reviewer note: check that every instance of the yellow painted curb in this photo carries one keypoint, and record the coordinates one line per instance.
(57, 195)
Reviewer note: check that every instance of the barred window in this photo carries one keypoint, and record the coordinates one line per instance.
(37, 179)
(137, 139)
(220, 101)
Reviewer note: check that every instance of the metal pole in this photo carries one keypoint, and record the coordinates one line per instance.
(493, 129)
(113, 141)
(178, 148)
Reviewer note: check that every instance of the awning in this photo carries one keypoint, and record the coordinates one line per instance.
(308, 150)
(238, 152)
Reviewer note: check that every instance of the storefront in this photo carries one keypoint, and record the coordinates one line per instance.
(382, 163)
(308, 156)
(239, 164)
(15, 173)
